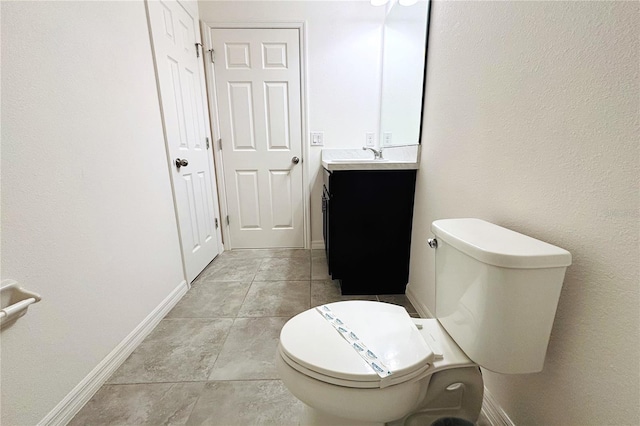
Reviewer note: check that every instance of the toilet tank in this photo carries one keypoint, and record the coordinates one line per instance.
(497, 292)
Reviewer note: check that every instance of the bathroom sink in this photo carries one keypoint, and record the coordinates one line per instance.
(358, 160)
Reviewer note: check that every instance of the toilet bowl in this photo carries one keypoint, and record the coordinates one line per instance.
(322, 369)
(370, 363)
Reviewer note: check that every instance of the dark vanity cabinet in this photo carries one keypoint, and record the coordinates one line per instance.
(367, 217)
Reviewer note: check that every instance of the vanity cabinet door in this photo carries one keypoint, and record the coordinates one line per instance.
(369, 229)
(325, 224)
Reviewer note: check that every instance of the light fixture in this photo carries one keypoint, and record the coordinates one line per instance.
(407, 2)
(379, 2)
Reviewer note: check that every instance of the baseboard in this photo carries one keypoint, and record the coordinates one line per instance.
(82, 393)
(317, 245)
(420, 307)
(493, 412)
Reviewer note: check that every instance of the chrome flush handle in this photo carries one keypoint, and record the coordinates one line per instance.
(433, 243)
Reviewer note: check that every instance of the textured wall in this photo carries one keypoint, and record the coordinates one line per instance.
(87, 212)
(531, 122)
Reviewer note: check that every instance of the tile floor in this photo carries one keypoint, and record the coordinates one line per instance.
(210, 361)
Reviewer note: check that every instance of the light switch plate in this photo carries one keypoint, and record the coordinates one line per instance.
(317, 138)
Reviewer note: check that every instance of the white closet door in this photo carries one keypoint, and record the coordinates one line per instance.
(257, 77)
(174, 28)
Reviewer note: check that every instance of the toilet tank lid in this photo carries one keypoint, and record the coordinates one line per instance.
(498, 246)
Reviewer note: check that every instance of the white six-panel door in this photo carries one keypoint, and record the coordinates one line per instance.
(175, 32)
(257, 79)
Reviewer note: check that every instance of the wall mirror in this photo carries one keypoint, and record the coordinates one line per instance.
(403, 73)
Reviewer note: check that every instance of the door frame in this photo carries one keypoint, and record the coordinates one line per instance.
(212, 98)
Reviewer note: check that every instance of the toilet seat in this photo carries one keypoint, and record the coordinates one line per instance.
(311, 345)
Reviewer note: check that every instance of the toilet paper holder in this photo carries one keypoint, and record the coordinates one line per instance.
(14, 301)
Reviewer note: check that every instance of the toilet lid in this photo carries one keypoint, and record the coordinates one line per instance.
(311, 341)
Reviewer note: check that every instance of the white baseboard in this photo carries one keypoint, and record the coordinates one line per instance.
(493, 412)
(317, 244)
(420, 307)
(82, 393)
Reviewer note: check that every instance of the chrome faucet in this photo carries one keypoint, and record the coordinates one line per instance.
(377, 154)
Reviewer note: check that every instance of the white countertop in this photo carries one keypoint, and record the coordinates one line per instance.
(370, 165)
(400, 158)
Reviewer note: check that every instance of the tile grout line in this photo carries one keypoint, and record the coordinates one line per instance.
(235, 317)
(195, 403)
(244, 299)
(226, 337)
(234, 320)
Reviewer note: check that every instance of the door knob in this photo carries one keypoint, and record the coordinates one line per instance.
(295, 160)
(181, 163)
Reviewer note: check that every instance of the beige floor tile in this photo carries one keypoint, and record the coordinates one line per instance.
(141, 404)
(277, 269)
(231, 270)
(276, 299)
(264, 253)
(250, 350)
(177, 350)
(211, 299)
(328, 291)
(318, 253)
(259, 403)
(319, 268)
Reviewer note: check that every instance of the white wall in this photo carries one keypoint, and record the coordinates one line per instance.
(531, 122)
(87, 212)
(344, 41)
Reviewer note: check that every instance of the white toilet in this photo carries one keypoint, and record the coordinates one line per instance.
(367, 363)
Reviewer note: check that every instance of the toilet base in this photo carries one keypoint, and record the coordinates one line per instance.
(451, 393)
(455, 393)
(313, 417)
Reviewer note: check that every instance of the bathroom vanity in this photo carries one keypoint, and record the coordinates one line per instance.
(367, 216)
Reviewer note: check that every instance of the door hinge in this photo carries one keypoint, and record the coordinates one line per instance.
(220, 144)
(227, 219)
(213, 55)
(217, 223)
(207, 139)
(198, 47)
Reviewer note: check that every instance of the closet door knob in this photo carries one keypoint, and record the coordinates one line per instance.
(181, 163)
(295, 160)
